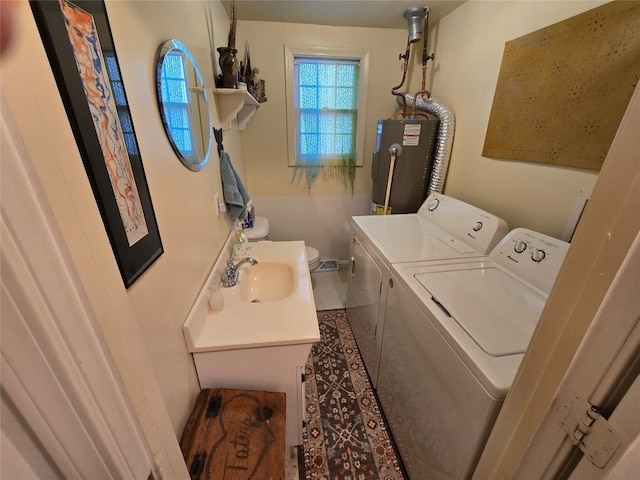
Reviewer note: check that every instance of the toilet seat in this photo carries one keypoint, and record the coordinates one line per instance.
(313, 257)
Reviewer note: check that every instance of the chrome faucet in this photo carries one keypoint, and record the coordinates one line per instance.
(230, 274)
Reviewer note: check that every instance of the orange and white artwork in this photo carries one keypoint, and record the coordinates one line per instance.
(84, 40)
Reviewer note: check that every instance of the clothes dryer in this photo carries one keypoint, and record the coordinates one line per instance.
(444, 228)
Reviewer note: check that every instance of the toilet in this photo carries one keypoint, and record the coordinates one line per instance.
(260, 231)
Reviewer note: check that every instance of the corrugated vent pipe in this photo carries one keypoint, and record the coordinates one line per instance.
(444, 140)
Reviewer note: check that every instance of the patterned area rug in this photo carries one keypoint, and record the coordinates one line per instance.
(345, 437)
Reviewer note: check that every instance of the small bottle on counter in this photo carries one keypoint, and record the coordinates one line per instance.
(240, 244)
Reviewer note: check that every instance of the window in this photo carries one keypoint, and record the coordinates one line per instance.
(175, 102)
(326, 109)
(326, 100)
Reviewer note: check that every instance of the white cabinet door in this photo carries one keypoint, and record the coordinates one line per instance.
(366, 294)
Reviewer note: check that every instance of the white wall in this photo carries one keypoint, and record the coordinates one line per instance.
(142, 324)
(321, 215)
(322, 221)
(469, 44)
(192, 234)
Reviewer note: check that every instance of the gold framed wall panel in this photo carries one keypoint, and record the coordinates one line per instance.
(562, 90)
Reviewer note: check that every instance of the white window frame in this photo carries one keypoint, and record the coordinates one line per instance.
(187, 107)
(359, 54)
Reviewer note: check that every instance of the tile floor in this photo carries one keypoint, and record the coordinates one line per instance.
(330, 289)
(329, 292)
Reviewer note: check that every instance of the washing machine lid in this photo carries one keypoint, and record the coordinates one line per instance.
(408, 238)
(498, 311)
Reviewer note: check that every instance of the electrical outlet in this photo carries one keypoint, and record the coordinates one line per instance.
(221, 207)
(216, 198)
(576, 214)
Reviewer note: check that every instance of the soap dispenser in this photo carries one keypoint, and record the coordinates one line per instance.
(240, 245)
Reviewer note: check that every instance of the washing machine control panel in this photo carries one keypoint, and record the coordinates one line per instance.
(538, 255)
(531, 255)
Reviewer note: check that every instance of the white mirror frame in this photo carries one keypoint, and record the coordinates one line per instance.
(198, 108)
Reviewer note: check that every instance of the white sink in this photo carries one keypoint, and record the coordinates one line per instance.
(266, 282)
(271, 304)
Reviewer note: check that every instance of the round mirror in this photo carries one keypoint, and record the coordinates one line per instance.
(183, 104)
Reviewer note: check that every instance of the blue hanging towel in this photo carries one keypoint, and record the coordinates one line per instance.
(235, 195)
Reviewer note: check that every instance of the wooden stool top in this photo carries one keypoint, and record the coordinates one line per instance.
(235, 435)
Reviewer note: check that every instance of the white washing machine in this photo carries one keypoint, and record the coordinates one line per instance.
(443, 228)
(454, 336)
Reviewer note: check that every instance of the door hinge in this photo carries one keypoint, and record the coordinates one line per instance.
(589, 430)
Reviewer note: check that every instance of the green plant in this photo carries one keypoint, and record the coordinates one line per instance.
(343, 172)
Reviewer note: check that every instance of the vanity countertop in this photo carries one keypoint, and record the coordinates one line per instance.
(239, 324)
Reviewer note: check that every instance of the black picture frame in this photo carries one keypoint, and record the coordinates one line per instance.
(133, 257)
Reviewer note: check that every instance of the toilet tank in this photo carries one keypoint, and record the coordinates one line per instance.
(259, 231)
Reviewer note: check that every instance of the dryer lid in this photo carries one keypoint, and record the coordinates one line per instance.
(495, 309)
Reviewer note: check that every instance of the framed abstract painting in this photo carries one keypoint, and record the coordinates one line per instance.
(77, 38)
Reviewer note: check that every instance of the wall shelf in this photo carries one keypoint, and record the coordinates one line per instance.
(235, 103)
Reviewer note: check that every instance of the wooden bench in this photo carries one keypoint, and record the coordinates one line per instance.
(235, 435)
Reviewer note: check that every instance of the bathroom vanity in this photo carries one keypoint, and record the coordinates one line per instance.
(258, 334)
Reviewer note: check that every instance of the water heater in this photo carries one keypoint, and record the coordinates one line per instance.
(411, 170)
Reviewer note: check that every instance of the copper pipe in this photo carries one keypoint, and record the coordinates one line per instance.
(404, 76)
(423, 92)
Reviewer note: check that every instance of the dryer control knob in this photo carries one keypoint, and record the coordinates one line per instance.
(477, 227)
(538, 255)
(520, 246)
(433, 204)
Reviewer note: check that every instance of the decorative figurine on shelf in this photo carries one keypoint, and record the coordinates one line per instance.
(251, 82)
(260, 92)
(228, 61)
(255, 87)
